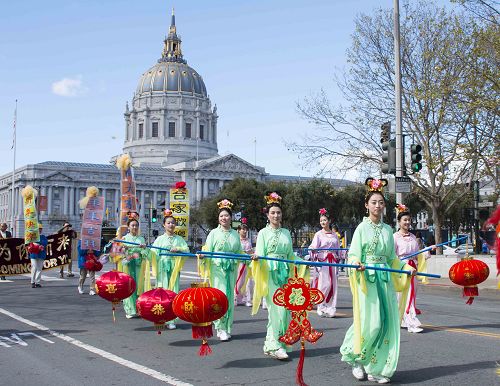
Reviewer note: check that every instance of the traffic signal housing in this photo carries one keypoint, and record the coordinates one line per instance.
(389, 157)
(416, 157)
(154, 215)
(385, 132)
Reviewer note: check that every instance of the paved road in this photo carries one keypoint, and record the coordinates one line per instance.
(54, 336)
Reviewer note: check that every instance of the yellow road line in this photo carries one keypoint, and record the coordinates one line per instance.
(462, 331)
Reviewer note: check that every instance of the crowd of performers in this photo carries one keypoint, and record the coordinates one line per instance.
(383, 302)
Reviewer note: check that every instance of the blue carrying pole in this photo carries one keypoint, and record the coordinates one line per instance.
(430, 248)
(147, 246)
(237, 256)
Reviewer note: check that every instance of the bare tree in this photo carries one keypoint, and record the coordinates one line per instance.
(435, 45)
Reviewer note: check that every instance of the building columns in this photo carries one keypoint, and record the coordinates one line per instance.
(205, 187)
(49, 200)
(198, 190)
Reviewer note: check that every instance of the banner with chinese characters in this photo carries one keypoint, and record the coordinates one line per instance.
(14, 258)
(128, 197)
(92, 224)
(179, 205)
(31, 233)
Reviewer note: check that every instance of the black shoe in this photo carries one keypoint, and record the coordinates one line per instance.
(71, 275)
(33, 285)
(38, 285)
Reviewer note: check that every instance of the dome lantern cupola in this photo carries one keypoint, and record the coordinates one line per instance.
(172, 49)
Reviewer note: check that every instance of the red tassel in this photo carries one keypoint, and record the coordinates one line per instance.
(204, 349)
(300, 366)
(470, 291)
(202, 332)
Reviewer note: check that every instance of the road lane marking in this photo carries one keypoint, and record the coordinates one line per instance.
(107, 355)
(462, 331)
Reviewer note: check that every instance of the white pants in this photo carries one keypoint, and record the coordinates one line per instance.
(410, 319)
(36, 270)
(328, 285)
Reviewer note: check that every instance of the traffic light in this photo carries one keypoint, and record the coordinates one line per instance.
(385, 132)
(154, 215)
(389, 157)
(416, 157)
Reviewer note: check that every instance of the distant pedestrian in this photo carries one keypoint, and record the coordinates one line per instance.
(73, 237)
(83, 256)
(4, 234)
(37, 254)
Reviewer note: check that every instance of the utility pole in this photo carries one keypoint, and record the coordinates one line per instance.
(398, 101)
(478, 246)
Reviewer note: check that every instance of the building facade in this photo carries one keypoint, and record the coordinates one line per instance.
(170, 134)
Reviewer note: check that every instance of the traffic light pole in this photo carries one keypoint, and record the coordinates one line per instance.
(398, 99)
(150, 209)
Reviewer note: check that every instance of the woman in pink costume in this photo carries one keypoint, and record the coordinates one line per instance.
(327, 275)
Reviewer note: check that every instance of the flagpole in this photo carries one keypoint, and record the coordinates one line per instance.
(12, 221)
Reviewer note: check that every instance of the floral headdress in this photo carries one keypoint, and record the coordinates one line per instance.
(168, 213)
(402, 208)
(375, 184)
(133, 216)
(225, 204)
(273, 198)
(180, 187)
(323, 212)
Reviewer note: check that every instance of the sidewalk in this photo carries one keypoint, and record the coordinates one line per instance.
(490, 285)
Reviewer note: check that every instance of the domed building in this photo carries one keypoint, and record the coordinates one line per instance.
(171, 117)
(170, 134)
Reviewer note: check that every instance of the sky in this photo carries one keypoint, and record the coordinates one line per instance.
(72, 65)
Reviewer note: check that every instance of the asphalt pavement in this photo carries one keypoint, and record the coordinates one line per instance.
(54, 336)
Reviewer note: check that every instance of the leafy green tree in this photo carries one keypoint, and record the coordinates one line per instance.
(441, 110)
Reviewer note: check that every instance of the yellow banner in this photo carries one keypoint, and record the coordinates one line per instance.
(179, 205)
(31, 232)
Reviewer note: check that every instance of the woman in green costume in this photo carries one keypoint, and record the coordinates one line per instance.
(135, 263)
(168, 268)
(273, 241)
(371, 345)
(222, 272)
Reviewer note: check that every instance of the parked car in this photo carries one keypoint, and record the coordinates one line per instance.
(449, 251)
(463, 249)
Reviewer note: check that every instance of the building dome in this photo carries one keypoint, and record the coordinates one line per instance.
(166, 77)
(171, 119)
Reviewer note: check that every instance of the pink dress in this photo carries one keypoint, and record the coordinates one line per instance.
(326, 276)
(405, 245)
(243, 289)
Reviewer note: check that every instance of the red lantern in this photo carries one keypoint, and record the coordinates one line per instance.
(469, 273)
(201, 305)
(115, 286)
(34, 248)
(156, 306)
(91, 263)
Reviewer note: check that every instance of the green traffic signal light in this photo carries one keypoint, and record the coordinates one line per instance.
(154, 215)
(416, 157)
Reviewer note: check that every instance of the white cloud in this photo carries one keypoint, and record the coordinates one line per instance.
(69, 87)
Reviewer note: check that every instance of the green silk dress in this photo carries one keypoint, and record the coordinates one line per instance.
(373, 339)
(168, 267)
(271, 275)
(138, 268)
(222, 272)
